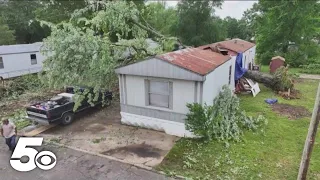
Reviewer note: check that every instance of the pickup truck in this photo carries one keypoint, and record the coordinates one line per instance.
(59, 109)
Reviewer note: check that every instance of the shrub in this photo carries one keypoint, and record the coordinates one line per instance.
(223, 120)
(311, 68)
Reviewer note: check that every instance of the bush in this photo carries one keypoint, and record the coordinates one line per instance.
(223, 120)
(311, 68)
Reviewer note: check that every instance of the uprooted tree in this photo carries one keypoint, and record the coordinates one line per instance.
(85, 50)
(279, 81)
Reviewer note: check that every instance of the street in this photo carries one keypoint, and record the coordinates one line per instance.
(74, 165)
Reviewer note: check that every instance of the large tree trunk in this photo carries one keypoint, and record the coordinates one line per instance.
(271, 81)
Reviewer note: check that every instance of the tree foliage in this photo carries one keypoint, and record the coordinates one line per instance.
(287, 28)
(223, 120)
(81, 52)
(56, 11)
(196, 26)
(236, 29)
(20, 17)
(6, 36)
(163, 19)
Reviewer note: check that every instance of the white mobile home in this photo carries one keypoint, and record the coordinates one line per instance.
(154, 92)
(17, 60)
(236, 46)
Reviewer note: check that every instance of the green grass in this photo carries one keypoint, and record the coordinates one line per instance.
(265, 68)
(274, 154)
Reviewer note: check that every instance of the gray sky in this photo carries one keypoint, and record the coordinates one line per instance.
(229, 8)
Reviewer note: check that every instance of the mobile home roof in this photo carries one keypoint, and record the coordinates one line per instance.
(20, 48)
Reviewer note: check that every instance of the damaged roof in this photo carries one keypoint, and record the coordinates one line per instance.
(187, 64)
(196, 60)
(235, 45)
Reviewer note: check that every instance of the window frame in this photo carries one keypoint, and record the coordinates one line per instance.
(148, 93)
(33, 59)
(2, 63)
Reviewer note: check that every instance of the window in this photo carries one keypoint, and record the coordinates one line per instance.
(33, 59)
(1, 63)
(230, 72)
(158, 93)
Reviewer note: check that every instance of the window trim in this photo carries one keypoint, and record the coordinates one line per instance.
(147, 93)
(33, 59)
(2, 63)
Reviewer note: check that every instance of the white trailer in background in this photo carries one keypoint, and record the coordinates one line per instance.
(20, 59)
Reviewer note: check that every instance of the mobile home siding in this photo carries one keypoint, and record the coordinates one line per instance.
(248, 57)
(216, 80)
(20, 64)
(183, 92)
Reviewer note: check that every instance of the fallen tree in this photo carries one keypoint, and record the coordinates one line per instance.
(279, 81)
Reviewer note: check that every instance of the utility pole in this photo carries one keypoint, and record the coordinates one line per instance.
(312, 132)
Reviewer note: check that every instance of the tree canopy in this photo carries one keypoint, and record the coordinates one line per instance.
(287, 28)
(19, 15)
(195, 25)
(6, 35)
(159, 17)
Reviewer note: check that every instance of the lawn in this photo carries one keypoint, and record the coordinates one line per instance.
(265, 68)
(274, 154)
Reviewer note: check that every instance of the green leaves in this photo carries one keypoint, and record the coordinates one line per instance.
(223, 120)
(86, 50)
(195, 25)
(284, 24)
(7, 35)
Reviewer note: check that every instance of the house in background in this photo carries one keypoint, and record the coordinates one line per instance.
(235, 46)
(18, 60)
(154, 92)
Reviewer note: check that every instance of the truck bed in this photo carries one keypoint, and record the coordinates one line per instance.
(50, 111)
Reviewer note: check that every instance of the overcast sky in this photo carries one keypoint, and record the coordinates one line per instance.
(233, 9)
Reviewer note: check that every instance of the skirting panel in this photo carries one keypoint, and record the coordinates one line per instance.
(169, 127)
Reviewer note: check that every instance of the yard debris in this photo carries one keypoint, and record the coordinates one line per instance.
(290, 94)
(245, 86)
(292, 112)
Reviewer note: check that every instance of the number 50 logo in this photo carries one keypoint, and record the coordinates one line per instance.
(44, 160)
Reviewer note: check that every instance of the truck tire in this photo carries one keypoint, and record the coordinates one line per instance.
(67, 118)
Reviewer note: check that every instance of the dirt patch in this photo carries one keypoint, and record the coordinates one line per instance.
(292, 112)
(141, 150)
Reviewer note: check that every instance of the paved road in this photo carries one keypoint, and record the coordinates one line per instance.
(310, 76)
(74, 165)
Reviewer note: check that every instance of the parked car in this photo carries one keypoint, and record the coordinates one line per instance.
(59, 109)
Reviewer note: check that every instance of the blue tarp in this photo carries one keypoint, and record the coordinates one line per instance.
(239, 70)
(271, 101)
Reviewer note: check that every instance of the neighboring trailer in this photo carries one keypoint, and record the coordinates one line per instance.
(22, 59)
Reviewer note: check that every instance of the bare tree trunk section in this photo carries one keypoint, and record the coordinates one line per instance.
(312, 132)
(264, 78)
